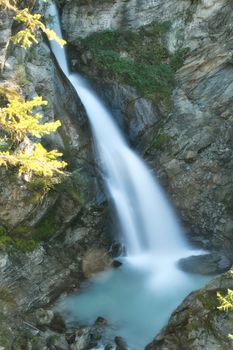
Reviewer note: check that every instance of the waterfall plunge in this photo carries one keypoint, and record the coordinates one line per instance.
(153, 237)
(148, 224)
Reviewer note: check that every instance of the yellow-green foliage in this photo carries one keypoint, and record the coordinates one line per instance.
(18, 122)
(39, 161)
(32, 23)
(9, 4)
(226, 303)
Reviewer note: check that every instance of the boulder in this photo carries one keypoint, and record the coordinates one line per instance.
(207, 264)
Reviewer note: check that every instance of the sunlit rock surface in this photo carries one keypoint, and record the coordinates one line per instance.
(96, 16)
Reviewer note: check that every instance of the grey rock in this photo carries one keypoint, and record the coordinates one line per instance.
(57, 323)
(118, 14)
(109, 347)
(120, 343)
(134, 114)
(44, 317)
(82, 339)
(206, 264)
(57, 342)
(197, 324)
(6, 21)
(95, 261)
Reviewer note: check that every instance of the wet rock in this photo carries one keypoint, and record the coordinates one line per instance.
(207, 264)
(197, 323)
(117, 249)
(82, 339)
(109, 347)
(89, 337)
(120, 343)
(44, 317)
(116, 263)
(101, 321)
(57, 342)
(134, 114)
(57, 323)
(94, 261)
(70, 337)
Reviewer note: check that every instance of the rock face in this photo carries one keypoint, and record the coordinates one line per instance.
(206, 264)
(197, 323)
(195, 161)
(96, 16)
(55, 267)
(67, 221)
(133, 113)
(33, 72)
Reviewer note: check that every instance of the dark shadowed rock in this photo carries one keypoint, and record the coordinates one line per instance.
(109, 347)
(101, 321)
(120, 343)
(57, 323)
(116, 263)
(70, 337)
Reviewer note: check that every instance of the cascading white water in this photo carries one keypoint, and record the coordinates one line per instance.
(147, 220)
(153, 237)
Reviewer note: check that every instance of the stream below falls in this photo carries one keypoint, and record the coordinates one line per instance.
(135, 304)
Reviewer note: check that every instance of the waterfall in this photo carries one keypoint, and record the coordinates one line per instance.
(152, 235)
(148, 224)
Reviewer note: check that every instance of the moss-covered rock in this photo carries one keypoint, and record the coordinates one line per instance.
(140, 59)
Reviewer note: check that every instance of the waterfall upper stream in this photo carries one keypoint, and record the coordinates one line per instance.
(137, 298)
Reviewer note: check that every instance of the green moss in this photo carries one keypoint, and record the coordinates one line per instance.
(20, 342)
(209, 300)
(161, 140)
(39, 184)
(140, 59)
(75, 186)
(3, 231)
(4, 340)
(45, 228)
(25, 245)
(20, 75)
(21, 230)
(5, 241)
(38, 187)
(177, 59)
(22, 244)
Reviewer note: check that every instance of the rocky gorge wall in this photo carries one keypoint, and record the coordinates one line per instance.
(49, 232)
